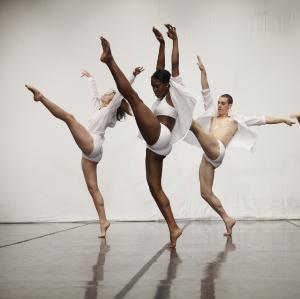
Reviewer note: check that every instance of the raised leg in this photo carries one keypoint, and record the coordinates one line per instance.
(208, 142)
(80, 134)
(147, 122)
(154, 165)
(206, 175)
(89, 169)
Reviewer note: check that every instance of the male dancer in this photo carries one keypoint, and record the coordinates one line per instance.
(214, 130)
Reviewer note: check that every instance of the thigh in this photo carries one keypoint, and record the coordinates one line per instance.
(208, 142)
(146, 121)
(81, 136)
(89, 169)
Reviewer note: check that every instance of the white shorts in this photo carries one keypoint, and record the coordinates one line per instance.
(97, 152)
(163, 145)
(217, 162)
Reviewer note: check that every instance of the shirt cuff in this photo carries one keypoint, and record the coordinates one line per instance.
(205, 92)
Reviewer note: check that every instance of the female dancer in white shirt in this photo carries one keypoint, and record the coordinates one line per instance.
(168, 121)
(108, 108)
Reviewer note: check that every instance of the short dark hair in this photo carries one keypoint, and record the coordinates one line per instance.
(228, 97)
(162, 76)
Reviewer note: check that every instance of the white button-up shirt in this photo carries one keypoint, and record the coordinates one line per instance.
(243, 138)
(103, 117)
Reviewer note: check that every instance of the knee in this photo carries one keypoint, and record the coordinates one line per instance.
(70, 118)
(155, 189)
(135, 97)
(206, 194)
(93, 188)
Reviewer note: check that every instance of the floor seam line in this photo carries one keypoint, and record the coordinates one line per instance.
(123, 292)
(292, 223)
(42, 236)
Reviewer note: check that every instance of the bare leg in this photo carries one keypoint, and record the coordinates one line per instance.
(206, 175)
(208, 142)
(154, 165)
(147, 122)
(81, 136)
(89, 169)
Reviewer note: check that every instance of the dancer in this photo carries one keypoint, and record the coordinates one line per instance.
(107, 109)
(217, 128)
(169, 120)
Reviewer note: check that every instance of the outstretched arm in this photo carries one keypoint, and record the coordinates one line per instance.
(265, 120)
(175, 51)
(160, 65)
(270, 120)
(204, 82)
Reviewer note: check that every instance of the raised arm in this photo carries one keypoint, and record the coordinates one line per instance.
(93, 88)
(160, 65)
(175, 51)
(204, 82)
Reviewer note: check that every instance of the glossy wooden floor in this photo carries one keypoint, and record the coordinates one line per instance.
(61, 260)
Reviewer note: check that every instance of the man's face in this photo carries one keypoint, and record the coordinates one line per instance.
(223, 106)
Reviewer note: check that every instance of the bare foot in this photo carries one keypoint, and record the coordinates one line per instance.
(103, 228)
(106, 54)
(229, 223)
(37, 95)
(173, 237)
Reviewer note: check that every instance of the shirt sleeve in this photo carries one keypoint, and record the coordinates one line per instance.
(94, 93)
(254, 120)
(178, 80)
(118, 97)
(207, 99)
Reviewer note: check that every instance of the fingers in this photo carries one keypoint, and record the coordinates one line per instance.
(170, 27)
(295, 115)
(103, 40)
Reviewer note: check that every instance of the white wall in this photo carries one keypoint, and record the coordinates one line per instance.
(251, 50)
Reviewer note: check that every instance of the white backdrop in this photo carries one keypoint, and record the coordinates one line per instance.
(251, 50)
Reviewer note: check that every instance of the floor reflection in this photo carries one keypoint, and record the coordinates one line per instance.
(213, 271)
(98, 272)
(164, 286)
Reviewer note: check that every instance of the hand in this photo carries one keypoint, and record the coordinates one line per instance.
(137, 70)
(200, 64)
(296, 115)
(85, 73)
(289, 122)
(171, 32)
(158, 35)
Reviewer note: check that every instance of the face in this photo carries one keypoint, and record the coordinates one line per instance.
(107, 97)
(160, 89)
(223, 106)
